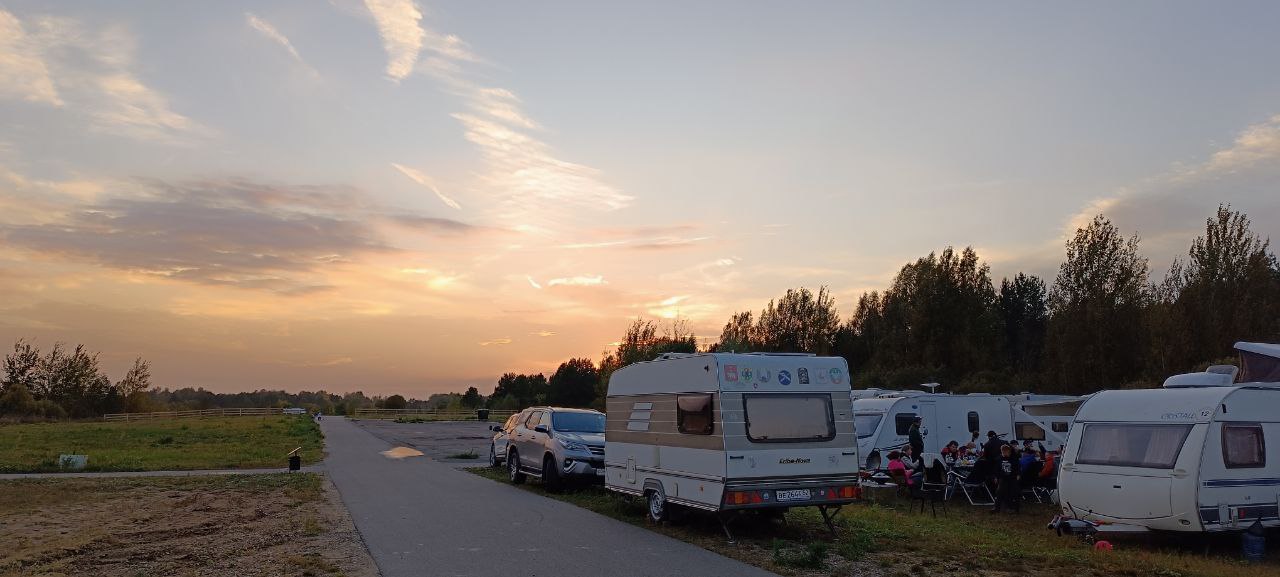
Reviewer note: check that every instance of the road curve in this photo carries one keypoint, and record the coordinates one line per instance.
(422, 517)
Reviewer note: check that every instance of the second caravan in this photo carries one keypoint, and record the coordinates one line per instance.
(724, 432)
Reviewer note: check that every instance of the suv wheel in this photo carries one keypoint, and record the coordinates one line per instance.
(657, 505)
(493, 456)
(513, 468)
(550, 474)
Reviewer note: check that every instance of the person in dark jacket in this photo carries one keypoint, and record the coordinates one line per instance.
(991, 450)
(915, 439)
(1007, 490)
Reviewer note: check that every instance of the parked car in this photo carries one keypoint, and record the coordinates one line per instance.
(498, 446)
(556, 445)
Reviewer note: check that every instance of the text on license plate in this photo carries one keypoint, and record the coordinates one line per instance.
(794, 495)
(599, 472)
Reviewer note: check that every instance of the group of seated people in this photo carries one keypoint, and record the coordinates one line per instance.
(1003, 466)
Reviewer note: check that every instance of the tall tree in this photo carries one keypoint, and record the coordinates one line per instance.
(472, 399)
(1025, 313)
(1095, 335)
(738, 334)
(1229, 287)
(799, 322)
(21, 367)
(573, 384)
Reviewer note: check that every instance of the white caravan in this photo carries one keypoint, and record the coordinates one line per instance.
(723, 432)
(883, 422)
(1044, 418)
(1192, 456)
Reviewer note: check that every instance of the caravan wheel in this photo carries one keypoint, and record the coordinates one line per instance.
(657, 505)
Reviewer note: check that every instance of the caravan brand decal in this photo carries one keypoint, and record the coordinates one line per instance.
(793, 460)
(731, 373)
(836, 377)
(784, 378)
(763, 375)
(803, 374)
(1178, 416)
(747, 374)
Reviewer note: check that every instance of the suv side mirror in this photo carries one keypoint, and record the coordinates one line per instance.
(542, 429)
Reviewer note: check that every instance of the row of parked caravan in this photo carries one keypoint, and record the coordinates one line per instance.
(725, 432)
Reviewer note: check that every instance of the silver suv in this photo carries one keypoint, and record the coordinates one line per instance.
(557, 445)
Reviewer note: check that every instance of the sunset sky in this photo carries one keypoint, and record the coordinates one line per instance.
(410, 196)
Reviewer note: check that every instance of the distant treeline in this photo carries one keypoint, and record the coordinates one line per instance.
(1102, 323)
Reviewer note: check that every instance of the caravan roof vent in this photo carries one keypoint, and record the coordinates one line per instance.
(1205, 379)
(781, 354)
(668, 356)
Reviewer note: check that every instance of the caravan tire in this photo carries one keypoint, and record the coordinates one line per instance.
(657, 505)
(550, 475)
(513, 468)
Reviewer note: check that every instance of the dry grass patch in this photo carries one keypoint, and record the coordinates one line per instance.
(248, 525)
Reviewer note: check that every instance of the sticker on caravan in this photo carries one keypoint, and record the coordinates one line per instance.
(822, 377)
(836, 377)
(747, 374)
(764, 375)
(731, 373)
(784, 378)
(802, 373)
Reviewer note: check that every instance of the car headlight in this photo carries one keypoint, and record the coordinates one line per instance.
(571, 445)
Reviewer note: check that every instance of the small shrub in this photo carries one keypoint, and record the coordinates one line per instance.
(469, 454)
(164, 441)
(813, 556)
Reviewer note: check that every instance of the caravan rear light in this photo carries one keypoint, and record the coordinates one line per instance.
(737, 498)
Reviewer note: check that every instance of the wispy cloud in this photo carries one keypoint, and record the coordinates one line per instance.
(491, 342)
(274, 35)
(22, 66)
(402, 36)
(578, 281)
(422, 179)
(533, 283)
(544, 334)
(87, 70)
(213, 232)
(1168, 210)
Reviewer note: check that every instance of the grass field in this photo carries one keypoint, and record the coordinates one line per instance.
(179, 444)
(891, 539)
(259, 525)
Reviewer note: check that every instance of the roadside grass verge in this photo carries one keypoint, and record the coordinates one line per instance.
(892, 538)
(161, 445)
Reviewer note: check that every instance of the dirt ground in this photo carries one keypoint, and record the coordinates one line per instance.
(251, 525)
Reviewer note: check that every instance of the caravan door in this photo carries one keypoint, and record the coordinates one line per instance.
(930, 428)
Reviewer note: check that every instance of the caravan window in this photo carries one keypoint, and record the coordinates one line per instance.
(1028, 432)
(1243, 447)
(1147, 446)
(865, 424)
(783, 418)
(974, 424)
(902, 422)
(1061, 426)
(694, 414)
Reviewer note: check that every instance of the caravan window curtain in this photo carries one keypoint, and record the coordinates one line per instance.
(1243, 446)
(788, 418)
(1147, 446)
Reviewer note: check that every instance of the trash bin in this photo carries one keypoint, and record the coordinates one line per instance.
(295, 462)
(482, 415)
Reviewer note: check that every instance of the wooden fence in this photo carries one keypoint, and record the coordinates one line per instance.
(247, 412)
(428, 415)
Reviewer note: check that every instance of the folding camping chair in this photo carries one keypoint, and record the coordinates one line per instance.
(1028, 480)
(973, 486)
(934, 488)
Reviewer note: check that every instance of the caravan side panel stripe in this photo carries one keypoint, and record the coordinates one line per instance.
(1240, 482)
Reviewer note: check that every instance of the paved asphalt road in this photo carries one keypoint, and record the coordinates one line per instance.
(421, 517)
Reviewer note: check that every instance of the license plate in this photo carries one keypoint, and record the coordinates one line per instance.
(599, 472)
(794, 495)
